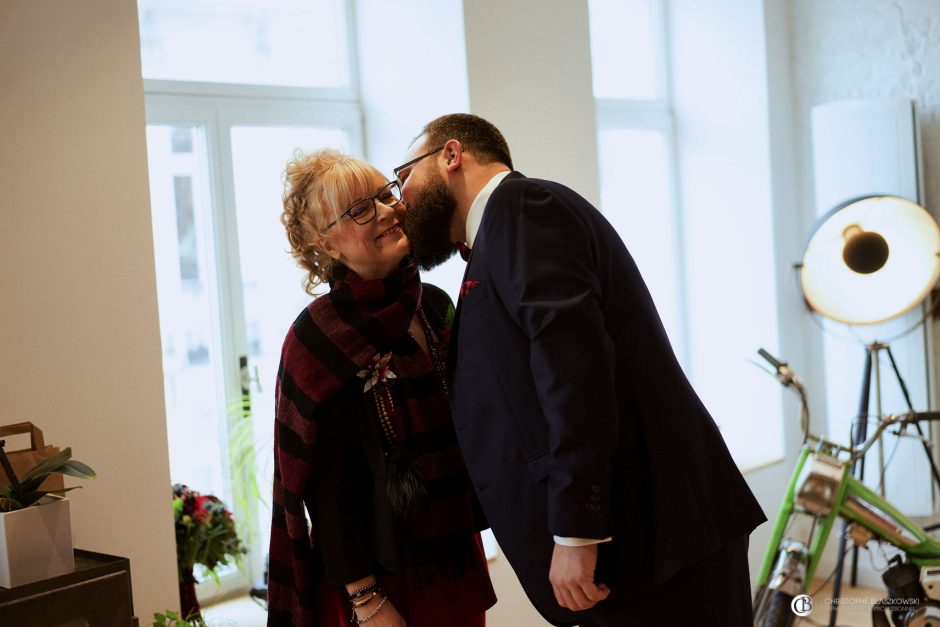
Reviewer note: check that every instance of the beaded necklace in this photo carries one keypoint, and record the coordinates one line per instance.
(382, 392)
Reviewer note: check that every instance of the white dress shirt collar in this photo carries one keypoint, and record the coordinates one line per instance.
(475, 215)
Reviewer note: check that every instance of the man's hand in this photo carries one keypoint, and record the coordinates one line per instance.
(572, 577)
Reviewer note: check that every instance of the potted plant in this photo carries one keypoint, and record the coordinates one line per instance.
(205, 535)
(35, 527)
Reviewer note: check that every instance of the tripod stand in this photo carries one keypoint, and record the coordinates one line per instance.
(872, 374)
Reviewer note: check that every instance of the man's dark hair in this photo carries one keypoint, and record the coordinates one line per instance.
(475, 134)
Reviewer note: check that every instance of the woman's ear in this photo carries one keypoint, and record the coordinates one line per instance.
(326, 244)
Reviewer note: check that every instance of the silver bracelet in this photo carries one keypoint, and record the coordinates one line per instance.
(377, 609)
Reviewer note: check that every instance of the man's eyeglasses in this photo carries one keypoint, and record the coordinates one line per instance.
(363, 210)
(402, 171)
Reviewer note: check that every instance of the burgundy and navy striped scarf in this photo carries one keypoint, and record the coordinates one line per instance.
(336, 341)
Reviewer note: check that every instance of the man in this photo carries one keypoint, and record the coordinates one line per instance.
(605, 480)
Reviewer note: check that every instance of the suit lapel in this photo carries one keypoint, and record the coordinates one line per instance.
(455, 327)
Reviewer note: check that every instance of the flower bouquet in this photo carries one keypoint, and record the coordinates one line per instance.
(205, 535)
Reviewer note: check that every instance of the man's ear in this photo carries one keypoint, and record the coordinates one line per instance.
(453, 154)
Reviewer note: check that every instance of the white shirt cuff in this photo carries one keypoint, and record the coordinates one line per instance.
(580, 541)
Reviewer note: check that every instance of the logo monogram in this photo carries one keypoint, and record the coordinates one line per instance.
(802, 605)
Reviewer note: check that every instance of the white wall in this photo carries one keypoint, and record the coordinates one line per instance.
(81, 342)
(719, 49)
(729, 64)
(413, 68)
(866, 49)
(529, 69)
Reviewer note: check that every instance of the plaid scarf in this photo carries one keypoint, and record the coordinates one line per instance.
(358, 332)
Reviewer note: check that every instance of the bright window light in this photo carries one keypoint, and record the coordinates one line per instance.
(299, 43)
(625, 49)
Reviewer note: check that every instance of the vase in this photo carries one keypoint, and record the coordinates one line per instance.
(189, 604)
(36, 542)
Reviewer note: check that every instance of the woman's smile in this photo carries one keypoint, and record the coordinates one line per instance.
(394, 230)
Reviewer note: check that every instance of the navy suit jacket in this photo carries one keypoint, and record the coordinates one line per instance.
(572, 412)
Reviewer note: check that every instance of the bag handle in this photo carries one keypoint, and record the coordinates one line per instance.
(35, 433)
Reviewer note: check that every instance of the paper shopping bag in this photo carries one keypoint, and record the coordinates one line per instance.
(23, 460)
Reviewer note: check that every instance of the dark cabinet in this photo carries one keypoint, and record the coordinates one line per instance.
(97, 594)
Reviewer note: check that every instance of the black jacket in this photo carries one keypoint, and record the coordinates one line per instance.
(357, 533)
(572, 412)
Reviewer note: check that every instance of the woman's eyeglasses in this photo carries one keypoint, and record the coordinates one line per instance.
(363, 210)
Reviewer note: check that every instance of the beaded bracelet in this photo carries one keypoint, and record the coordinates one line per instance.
(361, 601)
(364, 590)
(378, 608)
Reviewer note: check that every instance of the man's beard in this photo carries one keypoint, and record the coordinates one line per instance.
(428, 221)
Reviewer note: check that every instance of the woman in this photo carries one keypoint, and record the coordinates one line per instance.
(363, 434)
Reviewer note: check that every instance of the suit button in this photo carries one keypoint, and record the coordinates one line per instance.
(596, 498)
(595, 488)
(595, 507)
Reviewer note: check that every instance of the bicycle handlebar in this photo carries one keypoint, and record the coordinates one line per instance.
(776, 363)
(901, 420)
(786, 377)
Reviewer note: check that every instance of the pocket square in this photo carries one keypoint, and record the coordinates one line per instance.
(466, 287)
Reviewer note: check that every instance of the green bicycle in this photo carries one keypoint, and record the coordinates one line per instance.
(822, 489)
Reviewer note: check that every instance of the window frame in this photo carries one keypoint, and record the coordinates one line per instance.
(657, 114)
(218, 107)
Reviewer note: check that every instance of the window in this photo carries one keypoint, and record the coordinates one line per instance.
(232, 90)
(639, 153)
(636, 146)
(301, 43)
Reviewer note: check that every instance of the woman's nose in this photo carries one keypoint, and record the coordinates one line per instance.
(386, 212)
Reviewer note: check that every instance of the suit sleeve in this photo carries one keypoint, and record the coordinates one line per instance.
(543, 264)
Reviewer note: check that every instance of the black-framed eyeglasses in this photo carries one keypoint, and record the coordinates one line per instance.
(363, 210)
(406, 167)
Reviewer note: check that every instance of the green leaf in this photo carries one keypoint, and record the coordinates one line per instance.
(5, 491)
(32, 497)
(75, 468)
(31, 485)
(64, 490)
(48, 465)
(9, 505)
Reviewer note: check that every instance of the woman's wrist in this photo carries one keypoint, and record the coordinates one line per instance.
(373, 608)
(366, 598)
(369, 606)
(355, 586)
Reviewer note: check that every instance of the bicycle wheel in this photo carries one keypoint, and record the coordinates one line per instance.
(778, 612)
(772, 601)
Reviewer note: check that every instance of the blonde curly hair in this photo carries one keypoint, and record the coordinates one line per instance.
(318, 187)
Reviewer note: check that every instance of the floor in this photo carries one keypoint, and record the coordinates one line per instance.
(236, 612)
(855, 611)
(513, 610)
(854, 607)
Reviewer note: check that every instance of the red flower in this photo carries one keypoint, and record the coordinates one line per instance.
(205, 532)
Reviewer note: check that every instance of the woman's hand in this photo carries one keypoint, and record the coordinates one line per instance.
(387, 616)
